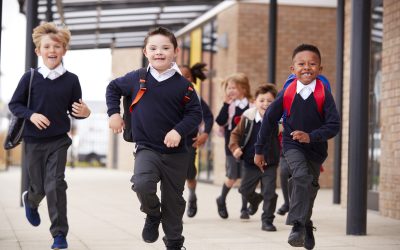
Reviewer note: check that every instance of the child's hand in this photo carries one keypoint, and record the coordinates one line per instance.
(228, 98)
(300, 136)
(80, 109)
(260, 162)
(115, 123)
(172, 139)
(200, 140)
(39, 120)
(237, 153)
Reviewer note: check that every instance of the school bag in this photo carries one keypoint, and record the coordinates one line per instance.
(128, 105)
(290, 88)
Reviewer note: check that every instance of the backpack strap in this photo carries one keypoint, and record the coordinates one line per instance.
(319, 96)
(143, 87)
(248, 127)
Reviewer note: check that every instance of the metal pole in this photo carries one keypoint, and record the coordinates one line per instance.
(337, 172)
(272, 40)
(358, 122)
(49, 13)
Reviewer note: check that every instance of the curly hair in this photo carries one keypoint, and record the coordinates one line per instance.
(60, 34)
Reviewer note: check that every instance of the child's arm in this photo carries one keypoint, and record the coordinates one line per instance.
(223, 115)
(208, 119)
(19, 100)
(236, 135)
(80, 109)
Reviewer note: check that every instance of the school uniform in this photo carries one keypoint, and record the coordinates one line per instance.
(160, 110)
(304, 159)
(251, 121)
(52, 94)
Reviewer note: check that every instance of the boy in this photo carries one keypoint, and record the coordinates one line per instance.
(159, 120)
(241, 144)
(55, 93)
(308, 125)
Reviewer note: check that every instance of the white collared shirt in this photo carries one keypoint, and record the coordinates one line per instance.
(164, 75)
(242, 103)
(258, 117)
(305, 90)
(52, 73)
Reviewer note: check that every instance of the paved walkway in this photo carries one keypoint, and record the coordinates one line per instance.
(104, 215)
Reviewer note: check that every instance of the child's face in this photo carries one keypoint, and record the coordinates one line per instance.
(263, 101)
(306, 66)
(160, 52)
(186, 73)
(232, 90)
(51, 52)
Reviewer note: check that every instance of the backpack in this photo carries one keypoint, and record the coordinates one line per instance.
(128, 105)
(290, 88)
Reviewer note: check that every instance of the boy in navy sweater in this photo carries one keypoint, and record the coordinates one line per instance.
(241, 144)
(305, 135)
(55, 94)
(161, 122)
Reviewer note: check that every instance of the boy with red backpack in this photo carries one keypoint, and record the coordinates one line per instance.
(311, 118)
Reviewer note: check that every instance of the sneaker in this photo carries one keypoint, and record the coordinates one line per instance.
(192, 208)
(244, 215)
(60, 242)
(253, 207)
(150, 229)
(283, 210)
(309, 240)
(31, 213)
(296, 237)
(222, 208)
(268, 226)
(174, 244)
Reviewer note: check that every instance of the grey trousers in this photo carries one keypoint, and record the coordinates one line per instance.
(45, 163)
(304, 183)
(284, 177)
(170, 169)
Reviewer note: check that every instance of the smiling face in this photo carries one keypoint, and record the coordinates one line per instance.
(51, 51)
(306, 66)
(160, 52)
(263, 101)
(232, 90)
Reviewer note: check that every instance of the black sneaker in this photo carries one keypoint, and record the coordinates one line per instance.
(174, 244)
(309, 240)
(244, 215)
(296, 237)
(150, 229)
(268, 226)
(222, 208)
(253, 207)
(192, 208)
(283, 210)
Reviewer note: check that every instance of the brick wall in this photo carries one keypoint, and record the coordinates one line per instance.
(389, 193)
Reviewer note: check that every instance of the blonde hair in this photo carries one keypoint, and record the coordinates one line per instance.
(60, 34)
(241, 81)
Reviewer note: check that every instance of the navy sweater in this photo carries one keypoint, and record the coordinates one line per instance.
(208, 119)
(51, 98)
(304, 117)
(160, 110)
(222, 120)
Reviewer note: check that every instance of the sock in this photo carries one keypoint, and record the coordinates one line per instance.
(244, 203)
(192, 194)
(225, 191)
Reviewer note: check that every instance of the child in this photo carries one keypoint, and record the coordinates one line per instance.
(236, 101)
(241, 144)
(307, 128)
(198, 137)
(55, 93)
(159, 120)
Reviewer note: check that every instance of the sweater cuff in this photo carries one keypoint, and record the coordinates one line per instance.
(258, 149)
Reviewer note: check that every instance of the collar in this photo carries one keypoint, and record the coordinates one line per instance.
(59, 70)
(258, 117)
(301, 86)
(171, 71)
(242, 103)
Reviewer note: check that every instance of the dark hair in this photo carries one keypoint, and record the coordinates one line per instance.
(265, 88)
(162, 31)
(306, 47)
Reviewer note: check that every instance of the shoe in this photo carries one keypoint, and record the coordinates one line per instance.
(253, 207)
(244, 215)
(192, 208)
(222, 208)
(60, 242)
(283, 210)
(150, 229)
(268, 226)
(174, 244)
(31, 213)
(309, 240)
(296, 237)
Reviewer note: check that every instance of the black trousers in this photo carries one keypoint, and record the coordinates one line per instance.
(284, 177)
(250, 178)
(304, 184)
(170, 169)
(45, 163)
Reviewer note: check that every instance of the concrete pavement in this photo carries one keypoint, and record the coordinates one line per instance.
(104, 214)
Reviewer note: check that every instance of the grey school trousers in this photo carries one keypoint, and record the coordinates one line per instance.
(304, 185)
(152, 167)
(45, 163)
